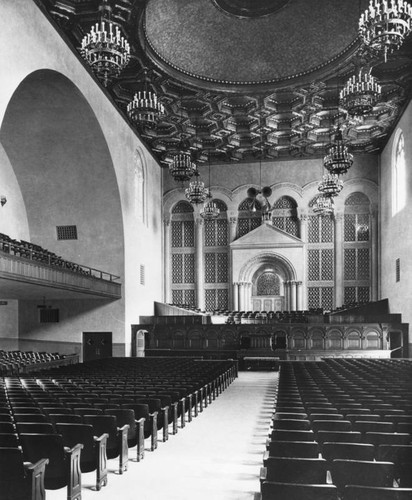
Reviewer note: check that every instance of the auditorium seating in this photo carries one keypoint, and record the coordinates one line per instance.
(358, 411)
(19, 362)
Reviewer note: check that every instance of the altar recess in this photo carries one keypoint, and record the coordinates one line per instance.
(268, 269)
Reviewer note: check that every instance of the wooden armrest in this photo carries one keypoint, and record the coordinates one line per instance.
(36, 467)
(122, 429)
(35, 475)
(74, 479)
(104, 436)
(73, 451)
(140, 421)
(263, 474)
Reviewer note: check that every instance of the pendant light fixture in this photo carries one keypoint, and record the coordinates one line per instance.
(210, 210)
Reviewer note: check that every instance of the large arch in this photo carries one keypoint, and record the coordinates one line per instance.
(64, 170)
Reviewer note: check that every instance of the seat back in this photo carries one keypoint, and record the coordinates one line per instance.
(348, 451)
(331, 425)
(293, 449)
(296, 470)
(34, 427)
(362, 473)
(378, 438)
(105, 424)
(80, 433)
(63, 418)
(353, 492)
(37, 446)
(287, 491)
(290, 435)
(125, 416)
(292, 424)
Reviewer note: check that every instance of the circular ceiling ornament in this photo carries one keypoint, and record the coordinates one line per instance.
(250, 8)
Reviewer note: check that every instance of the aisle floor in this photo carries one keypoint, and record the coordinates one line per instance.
(215, 457)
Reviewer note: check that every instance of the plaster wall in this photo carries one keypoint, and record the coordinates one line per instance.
(102, 200)
(396, 234)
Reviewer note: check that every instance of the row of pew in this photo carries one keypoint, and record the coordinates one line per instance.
(56, 424)
(14, 362)
(341, 429)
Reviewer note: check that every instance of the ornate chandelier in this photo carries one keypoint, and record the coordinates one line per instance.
(323, 205)
(182, 167)
(338, 160)
(210, 210)
(196, 193)
(105, 49)
(384, 25)
(145, 109)
(330, 185)
(360, 93)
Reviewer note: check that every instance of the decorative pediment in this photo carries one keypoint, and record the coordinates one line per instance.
(267, 236)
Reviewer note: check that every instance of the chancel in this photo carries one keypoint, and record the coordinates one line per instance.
(205, 249)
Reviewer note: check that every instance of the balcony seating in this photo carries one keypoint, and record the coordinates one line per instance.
(63, 468)
(19, 480)
(93, 455)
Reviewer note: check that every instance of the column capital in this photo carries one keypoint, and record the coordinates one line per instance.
(199, 221)
(232, 220)
(167, 221)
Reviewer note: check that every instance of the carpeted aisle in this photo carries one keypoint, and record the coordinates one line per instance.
(216, 457)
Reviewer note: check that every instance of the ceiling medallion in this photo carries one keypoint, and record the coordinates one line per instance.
(384, 25)
(250, 8)
(104, 48)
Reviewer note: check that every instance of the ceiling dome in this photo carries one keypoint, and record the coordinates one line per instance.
(199, 38)
(250, 8)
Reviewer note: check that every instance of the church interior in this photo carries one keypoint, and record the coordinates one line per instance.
(204, 234)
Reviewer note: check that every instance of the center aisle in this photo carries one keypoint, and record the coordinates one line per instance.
(215, 457)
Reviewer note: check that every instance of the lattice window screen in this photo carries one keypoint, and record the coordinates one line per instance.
(210, 234)
(349, 227)
(210, 268)
(363, 221)
(268, 284)
(189, 233)
(313, 265)
(177, 296)
(356, 294)
(292, 226)
(279, 222)
(221, 232)
(177, 232)
(255, 222)
(177, 268)
(189, 297)
(363, 294)
(349, 260)
(242, 227)
(210, 300)
(349, 294)
(326, 297)
(313, 297)
(313, 229)
(66, 232)
(189, 268)
(327, 226)
(221, 268)
(326, 264)
(222, 298)
(363, 264)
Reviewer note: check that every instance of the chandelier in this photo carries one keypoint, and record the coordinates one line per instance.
(145, 109)
(196, 193)
(330, 185)
(338, 160)
(210, 210)
(182, 167)
(360, 93)
(105, 49)
(384, 25)
(323, 205)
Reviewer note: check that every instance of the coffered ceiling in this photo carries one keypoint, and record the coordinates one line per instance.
(245, 79)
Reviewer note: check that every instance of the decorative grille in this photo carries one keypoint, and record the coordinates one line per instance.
(177, 232)
(326, 264)
(182, 207)
(357, 199)
(177, 268)
(210, 268)
(221, 232)
(363, 294)
(313, 265)
(292, 226)
(363, 263)
(210, 300)
(221, 267)
(189, 297)
(188, 233)
(349, 260)
(210, 234)
(222, 298)
(142, 274)
(363, 221)
(313, 229)
(326, 297)
(177, 296)
(313, 297)
(326, 229)
(279, 222)
(242, 227)
(189, 268)
(66, 232)
(255, 222)
(398, 270)
(349, 294)
(285, 202)
(350, 227)
(221, 205)
(268, 284)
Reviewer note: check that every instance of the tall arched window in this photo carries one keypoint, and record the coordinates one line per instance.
(250, 217)
(284, 215)
(398, 173)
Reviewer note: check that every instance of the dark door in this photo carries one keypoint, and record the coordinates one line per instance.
(97, 345)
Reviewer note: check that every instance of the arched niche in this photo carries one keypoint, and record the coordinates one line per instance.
(64, 170)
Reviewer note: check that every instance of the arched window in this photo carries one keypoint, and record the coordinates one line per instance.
(268, 283)
(284, 215)
(250, 217)
(398, 174)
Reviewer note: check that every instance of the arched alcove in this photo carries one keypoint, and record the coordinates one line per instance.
(64, 170)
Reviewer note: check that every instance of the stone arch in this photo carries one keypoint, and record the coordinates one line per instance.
(269, 260)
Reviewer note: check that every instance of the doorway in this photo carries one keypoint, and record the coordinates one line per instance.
(97, 345)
